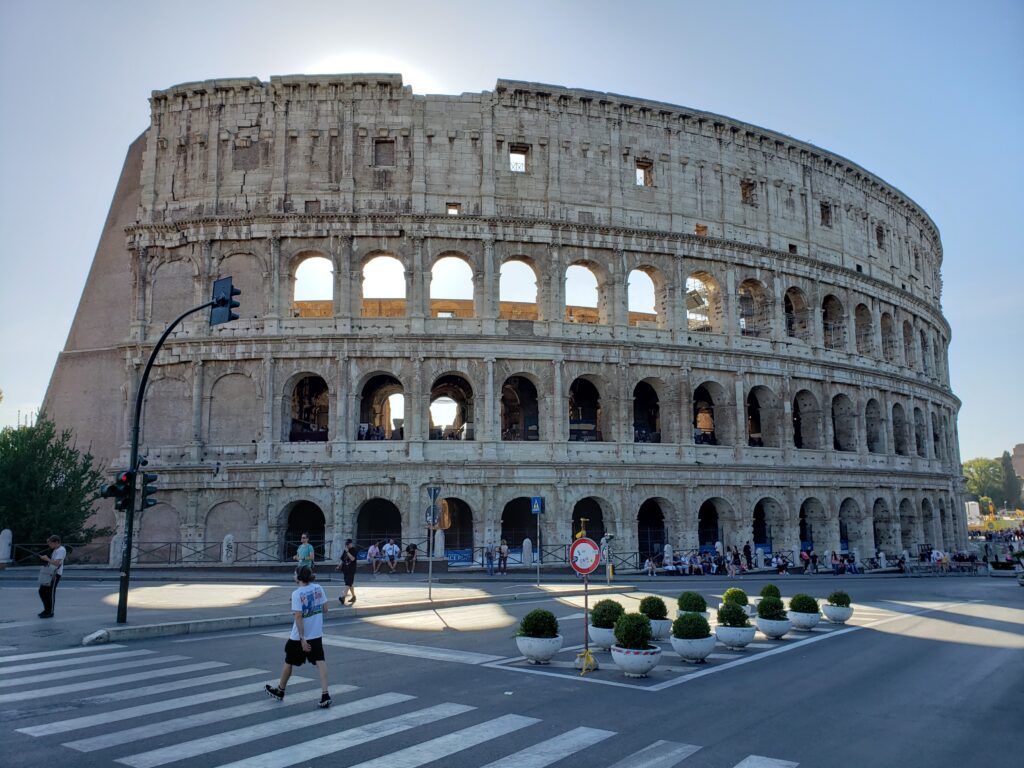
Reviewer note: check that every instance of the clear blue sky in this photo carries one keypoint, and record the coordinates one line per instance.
(929, 96)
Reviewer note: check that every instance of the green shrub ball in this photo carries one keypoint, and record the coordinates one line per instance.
(839, 599)
(633, 631)
(771, 608)
(692, 602)
(539, 623)
(736, 596)
(802, 603)
(653, 607)
(605, 613)
(691, 626)
(770, 590)
(732, 615)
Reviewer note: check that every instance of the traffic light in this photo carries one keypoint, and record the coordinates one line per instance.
(148, 489)
(122, 490)
(223, 301)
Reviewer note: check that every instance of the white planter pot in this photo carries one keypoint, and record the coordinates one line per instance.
(774, 628)
(636, 663)
(804, 621)
(705, 614)
(694, 650)
(837, 614)
(539, 650)
(660, 629)
(736, 638)
(600, 637)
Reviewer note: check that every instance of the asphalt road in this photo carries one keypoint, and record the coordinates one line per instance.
(929, 672)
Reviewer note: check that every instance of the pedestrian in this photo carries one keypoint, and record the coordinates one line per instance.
(835, 563)
(805, 561)
(748, 555)
(410, 557)
(304, 555)
(55, 569)
(305, 643)
(489, 557)
(814, 561)
(607, 556)
(391, 554)
(348, 562)
(503, 558)
(373, 557)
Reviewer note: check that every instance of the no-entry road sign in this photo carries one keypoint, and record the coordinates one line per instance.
(584, 556)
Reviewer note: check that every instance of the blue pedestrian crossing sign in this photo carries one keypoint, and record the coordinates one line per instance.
(433, 492)
(537, 505)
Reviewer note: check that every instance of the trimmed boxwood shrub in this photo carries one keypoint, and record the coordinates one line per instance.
(692, 601)
(731, 615)
(839, 599)
(771, 608)
(633, 631)
(691, 626)
(770, 590)
(605, 613)
(802, 603)
(539, 623)
(653, 607)
(736, 596)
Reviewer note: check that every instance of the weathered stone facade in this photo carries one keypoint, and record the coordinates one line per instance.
(791, 385)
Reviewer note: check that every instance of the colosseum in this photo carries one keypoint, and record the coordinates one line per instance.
(786, 384)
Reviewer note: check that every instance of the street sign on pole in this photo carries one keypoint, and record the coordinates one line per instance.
(537, 505)
(584, 556)
(433, 492)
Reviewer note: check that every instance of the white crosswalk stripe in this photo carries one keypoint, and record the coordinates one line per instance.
(51, 654)
(173, 687)
(66, 674)
(551, 751)
(71, 662)
(660, 754)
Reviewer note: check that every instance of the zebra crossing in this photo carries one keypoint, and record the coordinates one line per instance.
(228, 723)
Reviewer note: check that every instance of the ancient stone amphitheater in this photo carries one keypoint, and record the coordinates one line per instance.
(786, 385)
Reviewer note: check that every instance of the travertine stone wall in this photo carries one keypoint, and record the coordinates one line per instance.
(823, 294)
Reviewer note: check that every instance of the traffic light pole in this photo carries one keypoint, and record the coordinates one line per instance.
(129, 521)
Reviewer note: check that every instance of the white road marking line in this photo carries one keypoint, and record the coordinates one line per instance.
(72, 662)
(449, 744)
(102, 668)
(551, 751)
(723, 656)
(762, 645)
(336, 742)
(404, 649)
(172, 687)
(153, 708)
(660, 754)
(110, 682)
(51, 654)
(200, 718)
(218, 741)
(756, 761)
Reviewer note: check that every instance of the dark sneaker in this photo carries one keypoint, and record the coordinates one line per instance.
(325, 701)
(45, 615)
(274, 692)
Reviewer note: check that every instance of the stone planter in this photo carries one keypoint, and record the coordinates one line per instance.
(774, 628)
(634, 663)
(539, 650)
(694, 650)
(837, 614)
(705, 614)
(660, 629)
(600, 637)
(736, 638)
(804, 621)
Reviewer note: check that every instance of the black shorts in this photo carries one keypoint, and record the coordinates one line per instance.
(294, 655)
(350, 576)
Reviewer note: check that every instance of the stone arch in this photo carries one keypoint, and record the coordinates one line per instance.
(874, 427)
(711, 423)
(167, 413)
(309, 412)
(228, 517)
(452, 286)
(910, 358)
(844, 424)
(583, 277)
(304, 516)
(646, 293)
(235, 412)
(379, 395)
(833, 321)
(377, 520)
(813, 522)
(806, 420)
(382, 289)
(650, 528)
(172, 289)
(716, 523)
(459, 534)
(852, 531)
(247, 272)
(755, 309)
(518, 294)
(455, 388)
(311, 284)
(587, 417)
(909, 527)
(864, 330)
(937, 446)
(518, 522)
(703, 301)
(768, 524)
(520, 408)
(764, 423)
(889, 348)
(900, 430)
(797, 311)
(920, 434)
(926, 356)
(593, 509)
(646, 412)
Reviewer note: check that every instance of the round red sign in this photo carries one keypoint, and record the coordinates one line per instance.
(584, 555)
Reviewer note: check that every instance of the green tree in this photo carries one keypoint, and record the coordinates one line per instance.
(1011, 483)
(985, 478)
(47, 485)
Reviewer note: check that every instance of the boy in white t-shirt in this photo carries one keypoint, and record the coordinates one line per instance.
(309, 605)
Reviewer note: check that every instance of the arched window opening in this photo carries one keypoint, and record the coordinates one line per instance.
(798, 315)
(383, 288)
(926, 356)
(646, 414)
(849, 522)
(650, 530)
(585, 417)
(844, 424)
(755, 311)
(377, 521)
(806, 421)
(864, 329)
(920, 436)
(517, 523)
(310, 411)
(451, 288)
(762, 537)
(704, 426)
(703, 304)
(908, 345)
(314, 288)
(582, 295)
(936, 441)
(520, 412)
(458, 537)
(587, 512)
(382, 409)
(640, 291)
(708, 530)
(874, 427)
(889, 348)
(833, 324)
(899, 430)
(451, 409)
(304, 517)
(762, 418)
(517, 291)
(812, 516)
